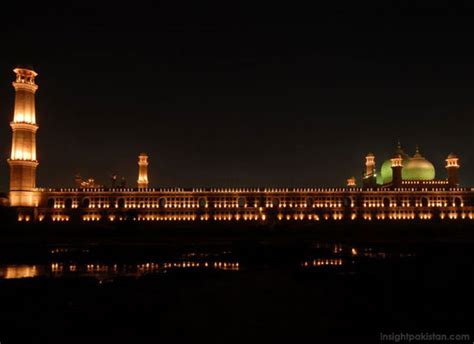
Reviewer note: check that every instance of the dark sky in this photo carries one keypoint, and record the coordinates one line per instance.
(232, 93)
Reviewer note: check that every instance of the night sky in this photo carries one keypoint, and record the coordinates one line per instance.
(239, 94)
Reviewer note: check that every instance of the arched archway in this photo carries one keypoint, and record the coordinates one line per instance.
(86, 203)
(275, 202)
(346, 201)
(386, 202)
(241, 201)
(202, 202)
(457, 201)
(424, 201)
(162, 202)
(309, 202)
(68, 203)
(51, 202)
(121, 203)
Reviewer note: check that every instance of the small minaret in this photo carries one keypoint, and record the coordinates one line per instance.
(397, 165)
(142, 171)
(452, 165)
(351, 182)
(123, 182)
(78, 180)
(23, 160)
(370, 174)
(113, 181)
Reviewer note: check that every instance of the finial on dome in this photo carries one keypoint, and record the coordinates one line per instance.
(399, 149)
(417, 151)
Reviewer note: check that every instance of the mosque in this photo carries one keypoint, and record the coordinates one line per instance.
(402, 169)
(414, 168)
(403, 189)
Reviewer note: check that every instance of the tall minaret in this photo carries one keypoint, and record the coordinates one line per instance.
(142, 171)
(23, 161)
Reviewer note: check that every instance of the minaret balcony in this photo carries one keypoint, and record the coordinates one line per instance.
(24, 126)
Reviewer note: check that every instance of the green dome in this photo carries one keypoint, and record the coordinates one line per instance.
(379, 179)
(415, 168)
(418, 168)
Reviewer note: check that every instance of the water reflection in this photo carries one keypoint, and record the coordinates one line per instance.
(18, 271)
(74, 262)
(336, 255)
(323, 262)
(59, 269)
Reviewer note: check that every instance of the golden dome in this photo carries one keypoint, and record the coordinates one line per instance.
(418, 168)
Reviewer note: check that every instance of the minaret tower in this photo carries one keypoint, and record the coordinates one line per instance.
(397, 165)
(452, 165)
(351, 182)
(370, 174)
(23, 161)
(142, 171)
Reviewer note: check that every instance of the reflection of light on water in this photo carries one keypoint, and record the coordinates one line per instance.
(19, 271)
(323, 262)
(59, 250)
(377, 255)
(189, 265)
(382, 255)
(226, 266)
(55, 267)
(337, 248)
(59, 269)
(98, 268)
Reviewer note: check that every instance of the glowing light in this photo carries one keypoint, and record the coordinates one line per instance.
(20, 271)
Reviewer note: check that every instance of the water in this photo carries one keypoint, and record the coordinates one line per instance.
(70, 262)
(215, 293)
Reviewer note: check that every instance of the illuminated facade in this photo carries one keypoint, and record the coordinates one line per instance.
(409, 191)
(142, 171)
(23, 160)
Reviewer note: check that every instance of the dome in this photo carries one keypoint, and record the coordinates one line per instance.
(418, 168)
(414, 168)
(452, 156)
(379, 179)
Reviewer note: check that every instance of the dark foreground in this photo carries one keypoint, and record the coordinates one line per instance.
(281, 285)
